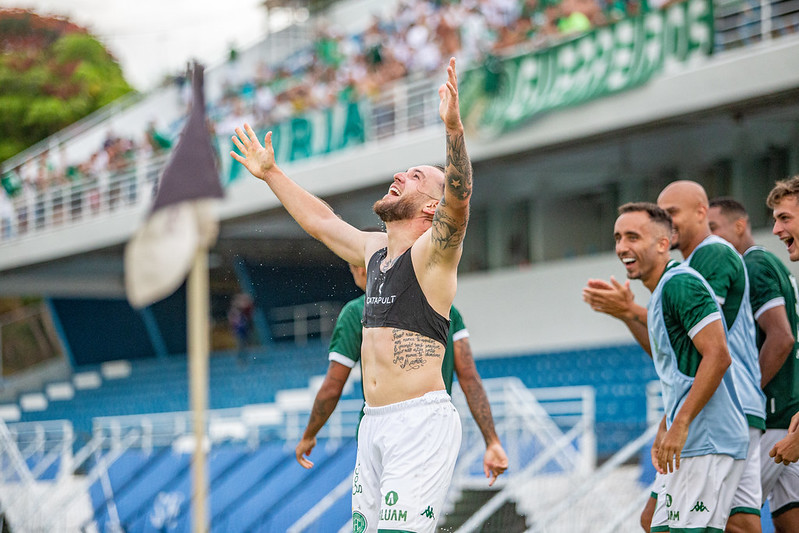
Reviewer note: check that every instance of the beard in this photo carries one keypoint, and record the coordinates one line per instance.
(404, 208)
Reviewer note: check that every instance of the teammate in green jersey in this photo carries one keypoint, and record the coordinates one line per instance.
(773, 294)
(704, 432)
(345, 352)
(784, 201)
(723, 268)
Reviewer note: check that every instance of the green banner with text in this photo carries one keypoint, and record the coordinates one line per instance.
(311, 134)
(626, 54)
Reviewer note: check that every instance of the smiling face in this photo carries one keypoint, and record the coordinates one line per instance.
(410, 192)
(642, 245)
(786, 224)
(686, 202)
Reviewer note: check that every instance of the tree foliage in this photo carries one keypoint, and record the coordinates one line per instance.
(52, 73)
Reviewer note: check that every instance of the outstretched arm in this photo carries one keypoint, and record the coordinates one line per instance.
(495, 462)
(452, 213)
(323, 406)
(311, 213)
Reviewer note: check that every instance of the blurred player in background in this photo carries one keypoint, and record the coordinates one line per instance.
(772, 291)
(345, 352)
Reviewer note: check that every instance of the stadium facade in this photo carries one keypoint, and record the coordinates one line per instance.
(559, 138)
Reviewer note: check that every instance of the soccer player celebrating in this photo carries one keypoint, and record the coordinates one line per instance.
(772, 291)
(410, 435)
(704, 433)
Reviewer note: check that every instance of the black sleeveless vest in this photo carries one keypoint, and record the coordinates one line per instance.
(394, 299)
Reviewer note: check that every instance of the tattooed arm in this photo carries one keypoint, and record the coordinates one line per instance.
(452, 214)
(323, 406)
(495, 462)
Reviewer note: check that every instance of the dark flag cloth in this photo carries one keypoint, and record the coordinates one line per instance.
(182, 219)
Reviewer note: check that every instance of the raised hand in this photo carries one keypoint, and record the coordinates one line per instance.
(611, 298)
(449, 107)
(255, 158)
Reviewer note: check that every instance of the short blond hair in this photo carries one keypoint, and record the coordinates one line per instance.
(789, 187)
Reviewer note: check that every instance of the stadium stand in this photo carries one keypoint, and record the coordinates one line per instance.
(721, 111)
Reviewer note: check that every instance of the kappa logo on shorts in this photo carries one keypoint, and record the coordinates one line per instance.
(392, 498)
(699, 507)
(358, 522)
(428, 513)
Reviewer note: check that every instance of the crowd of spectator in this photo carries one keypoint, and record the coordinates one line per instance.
(50, 181)
(413, 42)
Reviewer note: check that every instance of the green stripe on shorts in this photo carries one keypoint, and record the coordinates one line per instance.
(695, 530)
(744, 510)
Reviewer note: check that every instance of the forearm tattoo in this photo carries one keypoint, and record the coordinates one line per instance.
(459, 168)
(411, 351)
(323, 407)
(321, 411)
(480, 408)
(449, 230)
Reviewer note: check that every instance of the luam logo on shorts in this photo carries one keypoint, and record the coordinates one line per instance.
(394, 515)
(428, 513)
(392, 498)
(358, 522)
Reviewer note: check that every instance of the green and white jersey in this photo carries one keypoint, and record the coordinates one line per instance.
(681, 305)
(345, 344)
(457, 331)
(772, 285)
(724, 269)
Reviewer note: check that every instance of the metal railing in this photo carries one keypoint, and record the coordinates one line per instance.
(69, 205)
(300, 323)
(404, 107)
(32, 504)
(746, 22)
(558, 422)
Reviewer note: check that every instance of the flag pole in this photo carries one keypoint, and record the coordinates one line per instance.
(197, 305)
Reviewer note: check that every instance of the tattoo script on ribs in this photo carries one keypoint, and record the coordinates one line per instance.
(411, 350)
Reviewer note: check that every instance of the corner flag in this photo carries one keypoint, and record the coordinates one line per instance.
(182, 220)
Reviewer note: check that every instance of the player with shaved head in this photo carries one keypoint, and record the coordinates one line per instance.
(703, 435)
(723, 268)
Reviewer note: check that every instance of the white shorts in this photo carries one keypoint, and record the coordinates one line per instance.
(658, 489)
(780, 482)
(748, 498)
(406, 456)
(699, 494)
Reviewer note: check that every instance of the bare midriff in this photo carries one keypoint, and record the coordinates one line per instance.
(399, 365)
